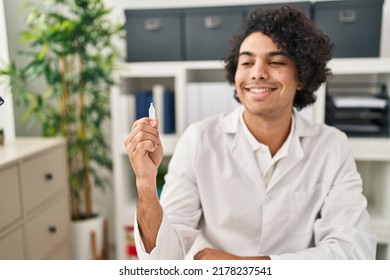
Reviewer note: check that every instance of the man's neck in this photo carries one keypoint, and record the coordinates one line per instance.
(272, 132)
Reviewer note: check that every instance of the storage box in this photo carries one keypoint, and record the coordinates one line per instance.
(208, 30)
(353, 26)
(154, 35)
(359, 109)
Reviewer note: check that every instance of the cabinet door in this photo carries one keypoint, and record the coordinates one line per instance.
(10, 202)
(48, 230)
(347, 22)
(208, 31)
(12, 245)
(42, 177)
(154, 35)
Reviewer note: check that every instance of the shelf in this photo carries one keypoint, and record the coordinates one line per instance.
(25, 147)
(383, 234)
(353, 66)
(339, 66)
(371, 149)
(163, 69)
(169, 143)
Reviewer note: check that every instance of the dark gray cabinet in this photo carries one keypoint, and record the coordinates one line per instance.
(154, 35)
(354, 26)
(208, 30)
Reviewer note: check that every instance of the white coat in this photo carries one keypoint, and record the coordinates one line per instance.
(215, 196)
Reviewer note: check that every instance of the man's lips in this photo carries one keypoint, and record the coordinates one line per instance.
(260, 90)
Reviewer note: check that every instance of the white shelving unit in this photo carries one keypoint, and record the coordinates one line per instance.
(372, 154)
(132, 77)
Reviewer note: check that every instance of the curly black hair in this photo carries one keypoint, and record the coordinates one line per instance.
(293, 32)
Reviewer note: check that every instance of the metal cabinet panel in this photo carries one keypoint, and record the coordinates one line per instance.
(154, 35)
(208, 30)
(353, 26)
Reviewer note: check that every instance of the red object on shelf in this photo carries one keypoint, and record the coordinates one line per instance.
(130, 243)
(131, 250)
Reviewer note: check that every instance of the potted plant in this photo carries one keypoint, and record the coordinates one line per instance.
(72, 49)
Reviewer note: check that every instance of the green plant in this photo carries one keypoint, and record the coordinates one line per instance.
(72, 49)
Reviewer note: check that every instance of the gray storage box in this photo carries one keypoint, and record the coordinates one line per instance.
(353, 26)
(154, 35)
(208, 30)
(304, 6)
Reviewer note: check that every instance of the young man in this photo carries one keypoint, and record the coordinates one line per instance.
(260, 182)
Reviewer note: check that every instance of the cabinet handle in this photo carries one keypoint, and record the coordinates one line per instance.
(152, 24)
(347, 16)
(49, 177)
(52, 229)
(212, 22)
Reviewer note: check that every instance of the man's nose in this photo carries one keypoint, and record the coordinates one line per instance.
(259, 72)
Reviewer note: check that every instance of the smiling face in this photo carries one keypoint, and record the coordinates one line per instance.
(266, 78)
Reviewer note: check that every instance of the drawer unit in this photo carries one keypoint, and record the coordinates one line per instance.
(208, 30)
(42, 177)
(10, 200)
(304, 6)
(353, 26)
(34, 203)
(154, 35)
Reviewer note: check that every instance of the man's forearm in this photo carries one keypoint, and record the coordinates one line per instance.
(149, 217)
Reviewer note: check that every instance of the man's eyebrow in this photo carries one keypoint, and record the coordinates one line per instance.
(246, 53)
(270, 54)
(275, 53)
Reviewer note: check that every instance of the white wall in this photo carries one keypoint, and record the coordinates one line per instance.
(14, 17)
(6, 110)
(385, 36)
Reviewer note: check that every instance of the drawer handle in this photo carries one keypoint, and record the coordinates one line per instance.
(52, 229)
(49, 177)
(152, 24)
(212, 22)
(347, 16)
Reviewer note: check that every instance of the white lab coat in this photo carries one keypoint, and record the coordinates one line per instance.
(215, 196)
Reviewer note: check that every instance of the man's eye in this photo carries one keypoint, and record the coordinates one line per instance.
(246, 63)
(278, 63)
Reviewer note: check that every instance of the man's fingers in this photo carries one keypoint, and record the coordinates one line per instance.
(142, 130)
(146, 121)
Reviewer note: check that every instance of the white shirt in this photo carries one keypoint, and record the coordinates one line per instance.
(215, 196)
(265, 161)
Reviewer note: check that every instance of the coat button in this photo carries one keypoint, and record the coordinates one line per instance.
(266, 199)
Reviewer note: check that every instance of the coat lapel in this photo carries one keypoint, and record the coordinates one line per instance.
(295, 153)
(240, 148)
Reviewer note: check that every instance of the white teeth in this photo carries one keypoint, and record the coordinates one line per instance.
(260, 90)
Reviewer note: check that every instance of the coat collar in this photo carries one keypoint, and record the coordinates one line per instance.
(231, 124)
(245, 157)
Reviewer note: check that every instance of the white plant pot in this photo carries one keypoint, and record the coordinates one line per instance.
(81, 237)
